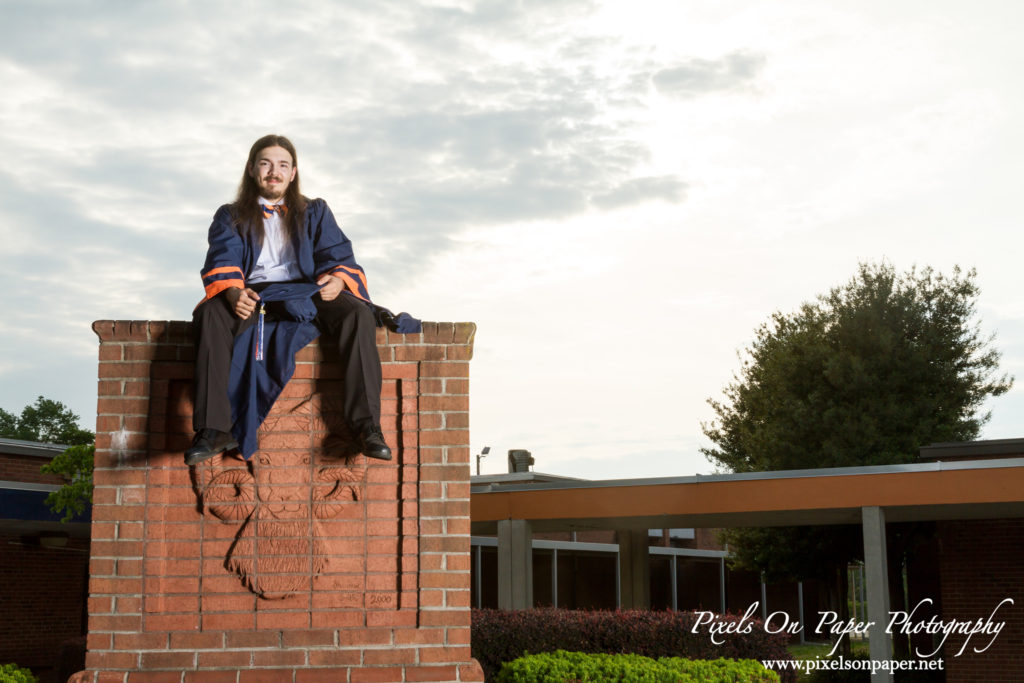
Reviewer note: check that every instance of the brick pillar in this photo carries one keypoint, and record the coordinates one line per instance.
(308, 563)
(634, 568)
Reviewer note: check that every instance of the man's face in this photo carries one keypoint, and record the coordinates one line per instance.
(273, 172)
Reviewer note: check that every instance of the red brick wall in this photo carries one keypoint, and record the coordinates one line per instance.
(981, 564)
(41, 594)
(381, 593)
(25, 468)
(42, 589)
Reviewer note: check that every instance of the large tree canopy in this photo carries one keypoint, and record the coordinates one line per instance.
(45, 421)
(865, 375)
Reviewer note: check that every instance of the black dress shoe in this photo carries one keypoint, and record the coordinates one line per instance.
(208, 443)
(372, 444)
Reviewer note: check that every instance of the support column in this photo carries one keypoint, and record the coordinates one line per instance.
(515, 564)
(800, 610)
(721, 585)
(554, 577)
(478, 576)
(634, 569)
(877, 579)
(675, 582)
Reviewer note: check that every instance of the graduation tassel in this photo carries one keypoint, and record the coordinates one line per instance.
(259, 334)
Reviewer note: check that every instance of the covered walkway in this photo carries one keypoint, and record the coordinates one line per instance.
(869, 496)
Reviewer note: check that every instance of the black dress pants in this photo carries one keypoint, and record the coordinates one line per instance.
(346, 320)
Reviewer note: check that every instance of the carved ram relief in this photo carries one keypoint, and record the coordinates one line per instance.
(302, 475)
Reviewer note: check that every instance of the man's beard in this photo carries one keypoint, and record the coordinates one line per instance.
(270, 193)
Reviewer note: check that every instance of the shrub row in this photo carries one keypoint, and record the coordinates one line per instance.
(12, 673)
(564, 666)
(501, 636)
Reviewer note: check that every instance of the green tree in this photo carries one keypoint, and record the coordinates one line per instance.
(50, 421)
(75, 464)
(8, 424)
(863, 375)
(45, 421)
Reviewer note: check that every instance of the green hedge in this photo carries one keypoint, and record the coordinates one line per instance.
(562, 666)
(501, 636)
(12, 673)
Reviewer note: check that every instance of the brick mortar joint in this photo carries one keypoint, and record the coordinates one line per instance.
(127, 331)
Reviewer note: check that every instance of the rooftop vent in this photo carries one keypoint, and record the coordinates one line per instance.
(519, 460)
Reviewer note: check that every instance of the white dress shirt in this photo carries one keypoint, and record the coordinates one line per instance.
(277, 262)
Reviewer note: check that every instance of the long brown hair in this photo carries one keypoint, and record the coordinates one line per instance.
(246, 209)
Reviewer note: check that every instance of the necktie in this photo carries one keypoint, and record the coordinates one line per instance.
(270, 210)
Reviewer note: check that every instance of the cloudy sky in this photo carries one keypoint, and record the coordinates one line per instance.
(617, 193)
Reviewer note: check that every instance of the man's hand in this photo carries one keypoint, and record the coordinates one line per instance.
(242, 301)
(332, 286)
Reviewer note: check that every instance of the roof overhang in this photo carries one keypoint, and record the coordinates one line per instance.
(33, 448)
(977, 489)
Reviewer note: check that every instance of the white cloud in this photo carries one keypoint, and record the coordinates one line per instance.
(618, 193)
